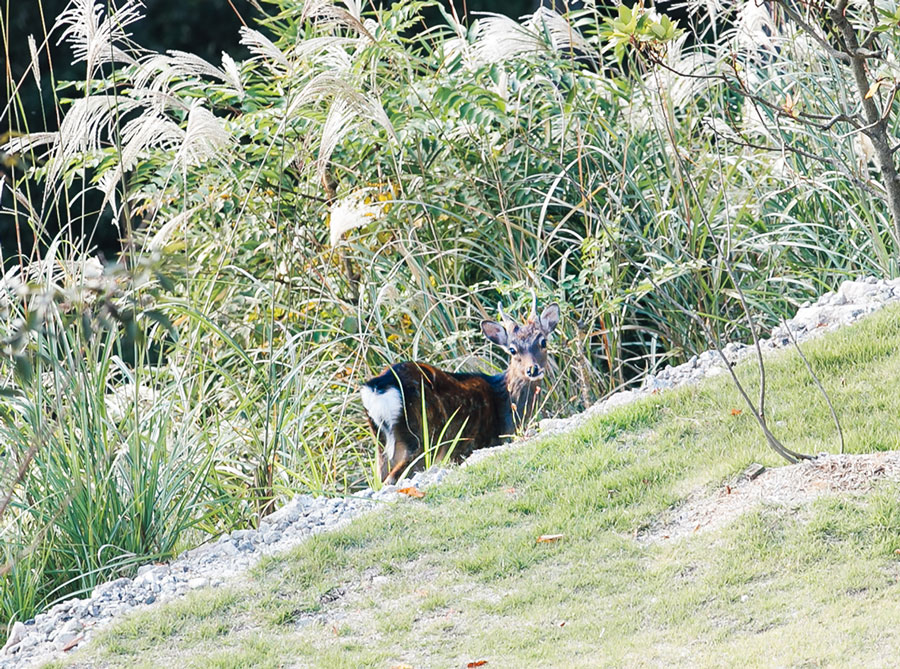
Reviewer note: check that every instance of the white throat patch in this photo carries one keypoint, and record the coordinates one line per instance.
(384, 409)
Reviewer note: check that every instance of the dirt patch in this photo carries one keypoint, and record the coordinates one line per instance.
(791, 486)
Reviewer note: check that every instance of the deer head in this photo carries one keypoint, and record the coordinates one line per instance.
(526, 343)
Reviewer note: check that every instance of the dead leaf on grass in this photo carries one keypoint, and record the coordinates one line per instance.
(476, 663)
(736, 412)
(548, 538)
(412, 491)
(402, 666)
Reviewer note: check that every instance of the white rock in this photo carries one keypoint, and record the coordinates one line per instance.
(15, 636)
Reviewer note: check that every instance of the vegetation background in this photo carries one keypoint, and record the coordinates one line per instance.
(360, 184)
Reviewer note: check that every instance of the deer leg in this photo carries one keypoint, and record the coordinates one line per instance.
(382, 462)
(400, 462)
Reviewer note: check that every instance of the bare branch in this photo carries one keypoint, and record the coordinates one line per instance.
(818, 383)
(812, 32)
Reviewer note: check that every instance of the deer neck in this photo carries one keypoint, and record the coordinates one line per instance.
(523, 396)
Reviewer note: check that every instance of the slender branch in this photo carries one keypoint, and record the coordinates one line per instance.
(758, 412)
(812, 32)
(815, 378)
(825, 160)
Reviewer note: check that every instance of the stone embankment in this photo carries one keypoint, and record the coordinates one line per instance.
(72, 622)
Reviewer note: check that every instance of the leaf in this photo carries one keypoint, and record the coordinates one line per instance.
(549, 538)
(873, 89)
(412, 491)
(736, 412)
(167, 284)
(24, 370)
(161, 319)
(476, 663)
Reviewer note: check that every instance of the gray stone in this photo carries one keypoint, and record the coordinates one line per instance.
(109, 588)
(16, 634)
(63, 639)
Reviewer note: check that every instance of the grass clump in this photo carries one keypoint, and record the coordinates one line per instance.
(459, 576)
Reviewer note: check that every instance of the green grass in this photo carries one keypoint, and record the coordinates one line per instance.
(612, 192)
(459, 577)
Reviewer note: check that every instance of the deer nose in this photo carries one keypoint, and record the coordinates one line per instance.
(534, 371)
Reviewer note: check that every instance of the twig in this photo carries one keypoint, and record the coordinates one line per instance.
(815, 378)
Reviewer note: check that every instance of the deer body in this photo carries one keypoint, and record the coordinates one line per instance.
(462, 411)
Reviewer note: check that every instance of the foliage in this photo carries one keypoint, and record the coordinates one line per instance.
(359, 191)
(460, 574)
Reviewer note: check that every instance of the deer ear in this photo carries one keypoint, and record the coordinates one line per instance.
(495, 332)
(550, 318)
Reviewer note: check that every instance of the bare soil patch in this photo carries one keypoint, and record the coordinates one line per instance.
(790, 486)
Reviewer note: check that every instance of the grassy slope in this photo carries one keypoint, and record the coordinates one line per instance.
(459, 577)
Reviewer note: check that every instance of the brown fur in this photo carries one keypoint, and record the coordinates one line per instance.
(479, 409)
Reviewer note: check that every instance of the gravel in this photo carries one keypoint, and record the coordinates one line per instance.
(220, 562)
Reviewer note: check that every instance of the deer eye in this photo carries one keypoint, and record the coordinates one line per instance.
(543, 343)
(512, 350)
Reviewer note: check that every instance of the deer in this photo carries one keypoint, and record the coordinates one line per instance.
(460, 411)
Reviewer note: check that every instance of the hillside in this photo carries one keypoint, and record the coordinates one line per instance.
(461, 576)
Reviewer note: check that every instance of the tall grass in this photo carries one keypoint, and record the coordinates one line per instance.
(362, 190)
